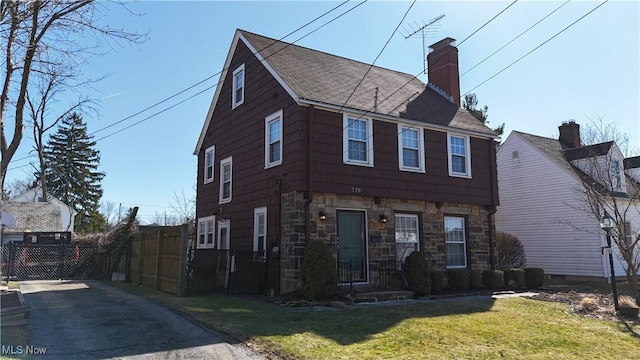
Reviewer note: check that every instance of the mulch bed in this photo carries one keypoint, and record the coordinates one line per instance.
(588, 304)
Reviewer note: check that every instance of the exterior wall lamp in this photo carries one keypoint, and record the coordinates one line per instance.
(383, 219)
(322, 215)
(607, 223)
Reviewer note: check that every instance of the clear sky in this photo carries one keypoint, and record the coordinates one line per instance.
(589, 70)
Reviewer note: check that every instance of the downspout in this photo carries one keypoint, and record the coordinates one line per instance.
(494, 203)
(307, 203)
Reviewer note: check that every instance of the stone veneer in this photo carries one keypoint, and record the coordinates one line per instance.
(380, 237)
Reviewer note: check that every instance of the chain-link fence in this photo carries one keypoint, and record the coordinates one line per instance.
(64, 261)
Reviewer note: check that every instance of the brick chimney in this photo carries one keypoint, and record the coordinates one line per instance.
(443, 68)
(570, 134)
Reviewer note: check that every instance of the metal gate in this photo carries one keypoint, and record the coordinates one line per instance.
(48, 262)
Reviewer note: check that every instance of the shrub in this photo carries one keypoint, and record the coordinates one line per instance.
(318, 272)
(493, 279)
(509, 252)
(514, 279)
(533, 278)
(458, 279)
(475, 279)
(437, 281)
(416, 271)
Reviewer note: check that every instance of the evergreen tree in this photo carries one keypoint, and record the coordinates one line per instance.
(72, 172)
(470, 102)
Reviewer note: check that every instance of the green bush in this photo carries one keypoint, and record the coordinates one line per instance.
(514, 279)
(458, 279)
(416, 271)
(437, 281)
(475, 279)
(318, 272)
(493, 279)
(533, 278)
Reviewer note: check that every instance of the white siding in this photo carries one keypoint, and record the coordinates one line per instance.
(537, 204)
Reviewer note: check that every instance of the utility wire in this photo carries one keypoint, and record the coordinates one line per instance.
(515, 38)
(378, 56)
(265, 58)
(485, 24)
(537, 47)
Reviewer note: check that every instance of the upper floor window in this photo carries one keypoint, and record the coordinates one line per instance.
(459, 156)
(225, 180)
(456, 242)
(407, 236)
(205, 232)
(238, 87)
(357, 141)
(208, 164)
(616, 183)
(273, 139)
(410, 148)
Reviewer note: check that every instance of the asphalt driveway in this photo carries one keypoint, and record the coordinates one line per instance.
(91, 320)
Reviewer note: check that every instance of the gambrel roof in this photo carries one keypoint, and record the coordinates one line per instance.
(324, 80)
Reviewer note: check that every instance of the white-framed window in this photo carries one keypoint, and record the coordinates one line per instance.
(209, 155)
(456, 242)
(625, 233)
(206, 228)
(260, 231)
(224, 237)
(616, 183)
(238, 87)
(273, 139)
(226, 173)
(407, 235)
(357, 141)
(459, 155)
(410, 148)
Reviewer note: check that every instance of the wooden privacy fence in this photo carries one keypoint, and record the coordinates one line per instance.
(158, 259)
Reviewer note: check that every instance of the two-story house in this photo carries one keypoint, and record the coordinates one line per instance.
(299, 144)
(552, 192)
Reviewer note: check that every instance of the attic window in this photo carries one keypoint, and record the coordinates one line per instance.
(238, 87)
(514, 155)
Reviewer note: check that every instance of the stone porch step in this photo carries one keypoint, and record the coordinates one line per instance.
(381, 295)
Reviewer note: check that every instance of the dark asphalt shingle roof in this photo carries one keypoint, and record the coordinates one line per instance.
(329, 79)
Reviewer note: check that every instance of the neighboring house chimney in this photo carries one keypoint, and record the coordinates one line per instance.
(443, 68)
(570, 134)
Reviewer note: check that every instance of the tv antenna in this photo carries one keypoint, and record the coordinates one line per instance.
(424, 31)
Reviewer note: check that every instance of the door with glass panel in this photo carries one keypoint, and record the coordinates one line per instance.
(352, 243)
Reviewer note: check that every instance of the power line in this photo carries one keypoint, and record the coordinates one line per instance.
(485, 24)
(218, 83)
(515, 38)
(537, 47)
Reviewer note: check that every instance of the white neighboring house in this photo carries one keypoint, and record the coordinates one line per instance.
(33, 214)
(539, 182)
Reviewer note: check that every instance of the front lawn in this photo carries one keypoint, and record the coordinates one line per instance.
(477, 328)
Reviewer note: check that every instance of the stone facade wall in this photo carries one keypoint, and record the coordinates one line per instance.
(380, 236)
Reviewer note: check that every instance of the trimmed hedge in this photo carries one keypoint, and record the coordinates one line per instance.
(493, 279)
(416, 271)
(533, 278)
(475, 279)
(318, 272)
(437, 281)
(458, 280)
(514, 279)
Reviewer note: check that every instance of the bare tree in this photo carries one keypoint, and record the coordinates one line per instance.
(17, 187)
(607, 187)
(38, 37)
(110, 213)
(184, 205)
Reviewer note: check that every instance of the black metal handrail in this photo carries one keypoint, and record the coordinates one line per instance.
(391, 275)
(345, 276)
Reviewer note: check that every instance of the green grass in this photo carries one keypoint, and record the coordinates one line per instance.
(463, 329)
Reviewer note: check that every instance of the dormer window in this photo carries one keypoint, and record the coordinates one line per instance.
(238, 87)
(615, 175)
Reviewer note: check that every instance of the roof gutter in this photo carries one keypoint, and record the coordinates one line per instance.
(394, 119)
